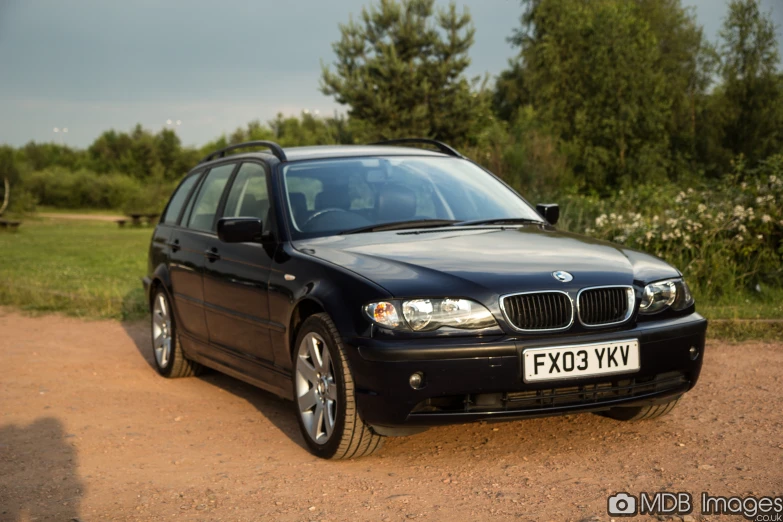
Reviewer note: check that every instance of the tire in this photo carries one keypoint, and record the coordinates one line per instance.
(324, 397)
(170, 360)
(641, 412)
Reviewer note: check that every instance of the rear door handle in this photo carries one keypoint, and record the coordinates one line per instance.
(212, 254)
(174, 245)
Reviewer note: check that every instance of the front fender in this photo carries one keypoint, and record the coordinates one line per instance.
(298, 277)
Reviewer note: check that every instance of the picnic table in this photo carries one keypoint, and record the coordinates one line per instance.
(13, 225)
(138, 219)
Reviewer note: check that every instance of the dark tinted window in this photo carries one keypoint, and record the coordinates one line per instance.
(326, 197)
(248, 196)
(202, 216)
(178, 199)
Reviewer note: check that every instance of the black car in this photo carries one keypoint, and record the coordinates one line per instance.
(387, 288)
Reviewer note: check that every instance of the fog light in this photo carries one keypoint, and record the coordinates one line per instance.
(694, 353)
(416, 380)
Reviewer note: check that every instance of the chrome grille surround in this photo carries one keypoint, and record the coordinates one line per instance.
(513, 324)
(630, 303)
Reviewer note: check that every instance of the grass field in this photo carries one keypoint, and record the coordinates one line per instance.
(82, 268)
(94, 269)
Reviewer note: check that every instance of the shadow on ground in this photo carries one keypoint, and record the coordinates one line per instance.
(39, 478)
(278, 411)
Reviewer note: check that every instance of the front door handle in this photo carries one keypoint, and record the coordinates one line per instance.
(212, 254)
(174, 245)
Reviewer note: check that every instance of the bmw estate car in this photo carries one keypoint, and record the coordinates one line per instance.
(388, 288)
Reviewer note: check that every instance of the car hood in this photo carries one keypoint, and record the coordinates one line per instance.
(471, 261)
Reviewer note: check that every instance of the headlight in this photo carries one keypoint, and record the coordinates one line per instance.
(674, 293)
(424, 315)
(383, 313)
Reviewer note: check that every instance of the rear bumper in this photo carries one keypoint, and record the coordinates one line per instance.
(475, 379)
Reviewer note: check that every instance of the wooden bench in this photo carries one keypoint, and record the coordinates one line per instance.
(121, 222)
(13, 225)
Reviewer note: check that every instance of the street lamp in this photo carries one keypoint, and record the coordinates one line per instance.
(62, 132)
(174, 122)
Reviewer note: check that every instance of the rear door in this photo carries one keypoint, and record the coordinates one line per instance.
(236, 278)
(189, 244)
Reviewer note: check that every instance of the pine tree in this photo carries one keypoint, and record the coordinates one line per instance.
(401, 72)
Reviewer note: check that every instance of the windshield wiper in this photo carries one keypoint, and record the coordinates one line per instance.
(400, 225)
(498, 221)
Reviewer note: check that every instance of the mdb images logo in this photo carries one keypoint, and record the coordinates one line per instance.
(759, 509)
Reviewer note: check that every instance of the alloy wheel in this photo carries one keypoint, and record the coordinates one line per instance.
(316, 389)
(161, 330)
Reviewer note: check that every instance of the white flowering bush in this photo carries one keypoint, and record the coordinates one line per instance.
(724, 236)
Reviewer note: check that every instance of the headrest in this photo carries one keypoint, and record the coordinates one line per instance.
(251, 207)
(298, 206)
(333, 197)
(395, 203)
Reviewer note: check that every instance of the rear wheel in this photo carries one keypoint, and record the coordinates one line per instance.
(324, 394)
(641, 412)
(170, 360)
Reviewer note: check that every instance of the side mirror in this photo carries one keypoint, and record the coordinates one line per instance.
(239, 230)
(549, 211)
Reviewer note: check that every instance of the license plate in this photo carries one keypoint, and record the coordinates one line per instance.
(582, 360)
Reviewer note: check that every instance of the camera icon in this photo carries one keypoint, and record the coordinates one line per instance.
(622, 505)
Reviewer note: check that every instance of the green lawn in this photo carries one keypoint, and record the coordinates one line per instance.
(96, 211)
(82, 268)
(94, 269)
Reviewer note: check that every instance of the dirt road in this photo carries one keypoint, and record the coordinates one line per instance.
(89, 431)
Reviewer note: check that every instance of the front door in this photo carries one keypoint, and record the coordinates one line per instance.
(189, 245)
(236, 275)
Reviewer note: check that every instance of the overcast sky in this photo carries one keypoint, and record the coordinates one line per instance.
(91, 65)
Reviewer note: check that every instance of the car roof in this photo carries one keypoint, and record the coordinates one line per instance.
(335, 151)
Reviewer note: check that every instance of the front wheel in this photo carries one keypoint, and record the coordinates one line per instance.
(641, 412)
(324, 394)
(170, 360)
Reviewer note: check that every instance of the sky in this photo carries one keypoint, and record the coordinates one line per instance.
(92, 65)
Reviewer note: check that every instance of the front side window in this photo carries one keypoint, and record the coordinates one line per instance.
(248, 196)
(327, 197)
(178, 199)
(202, 215)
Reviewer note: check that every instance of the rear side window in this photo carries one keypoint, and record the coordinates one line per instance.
(202, 217)
(178, 199)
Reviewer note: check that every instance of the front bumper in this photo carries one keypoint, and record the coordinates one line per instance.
(475, 379)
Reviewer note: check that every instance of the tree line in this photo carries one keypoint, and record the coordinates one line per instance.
(600, 95)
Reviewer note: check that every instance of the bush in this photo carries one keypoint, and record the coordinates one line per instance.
(62, 188)
(725, 236)
(21, 201)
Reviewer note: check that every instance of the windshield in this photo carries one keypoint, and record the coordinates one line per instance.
(328, 197)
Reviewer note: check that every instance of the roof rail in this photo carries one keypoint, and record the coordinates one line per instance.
(276, 149)
(426, 141)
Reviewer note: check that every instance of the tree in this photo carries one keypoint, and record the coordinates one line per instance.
(752, 90)
(593, 73)
(687, 61)
(510, 93)
(401, 73)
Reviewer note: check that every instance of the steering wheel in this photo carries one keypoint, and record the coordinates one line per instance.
(321, 213)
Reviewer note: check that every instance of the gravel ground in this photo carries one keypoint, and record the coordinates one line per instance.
(89, 431)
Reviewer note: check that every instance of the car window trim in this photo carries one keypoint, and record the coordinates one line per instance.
(187, 176)
(213, 232)
(267, 179)
(188, 209)
(224, 196)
